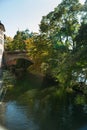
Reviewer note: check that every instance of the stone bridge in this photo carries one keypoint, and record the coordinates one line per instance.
(10, 57)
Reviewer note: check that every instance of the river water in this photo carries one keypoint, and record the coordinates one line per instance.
(44, 114)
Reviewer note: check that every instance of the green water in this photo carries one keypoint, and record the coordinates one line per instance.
(43, 109)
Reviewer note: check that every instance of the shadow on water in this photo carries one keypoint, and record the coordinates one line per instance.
(50, 108)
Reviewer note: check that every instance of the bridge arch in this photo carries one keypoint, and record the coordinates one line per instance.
(10, 58)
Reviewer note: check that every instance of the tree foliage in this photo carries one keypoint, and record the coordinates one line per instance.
(60, 49)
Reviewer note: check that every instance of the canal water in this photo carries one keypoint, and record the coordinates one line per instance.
(44, 112)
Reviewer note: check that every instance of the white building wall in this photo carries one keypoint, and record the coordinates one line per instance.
(1, 45)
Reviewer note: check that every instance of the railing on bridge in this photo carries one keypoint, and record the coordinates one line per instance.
(16, 52)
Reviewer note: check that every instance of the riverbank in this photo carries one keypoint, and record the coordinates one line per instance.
(33, 87)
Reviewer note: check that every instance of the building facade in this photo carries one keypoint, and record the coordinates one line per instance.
(2, 30)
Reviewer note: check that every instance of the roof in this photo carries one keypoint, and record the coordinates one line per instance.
(2, 26)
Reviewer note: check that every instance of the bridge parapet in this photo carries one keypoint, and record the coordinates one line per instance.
(16, 52)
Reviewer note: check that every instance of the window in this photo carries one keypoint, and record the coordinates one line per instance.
(0, 51)
(1, 33)
(1, 41)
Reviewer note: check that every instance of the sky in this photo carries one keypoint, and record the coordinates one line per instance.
(24, 14)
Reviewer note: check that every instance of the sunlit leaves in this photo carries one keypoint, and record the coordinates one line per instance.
(60, 49)
(8, 43)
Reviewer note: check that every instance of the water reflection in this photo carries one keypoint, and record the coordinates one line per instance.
(43, 116)
(2, 128)
(14, 117)
(84, 128)
(58, 114)
(44, 109)
(2, 116)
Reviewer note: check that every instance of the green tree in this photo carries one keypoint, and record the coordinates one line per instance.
(8, 43)
(37, 47)
(81, 51)
(18, 42)
(62, 24)
(61, 27)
